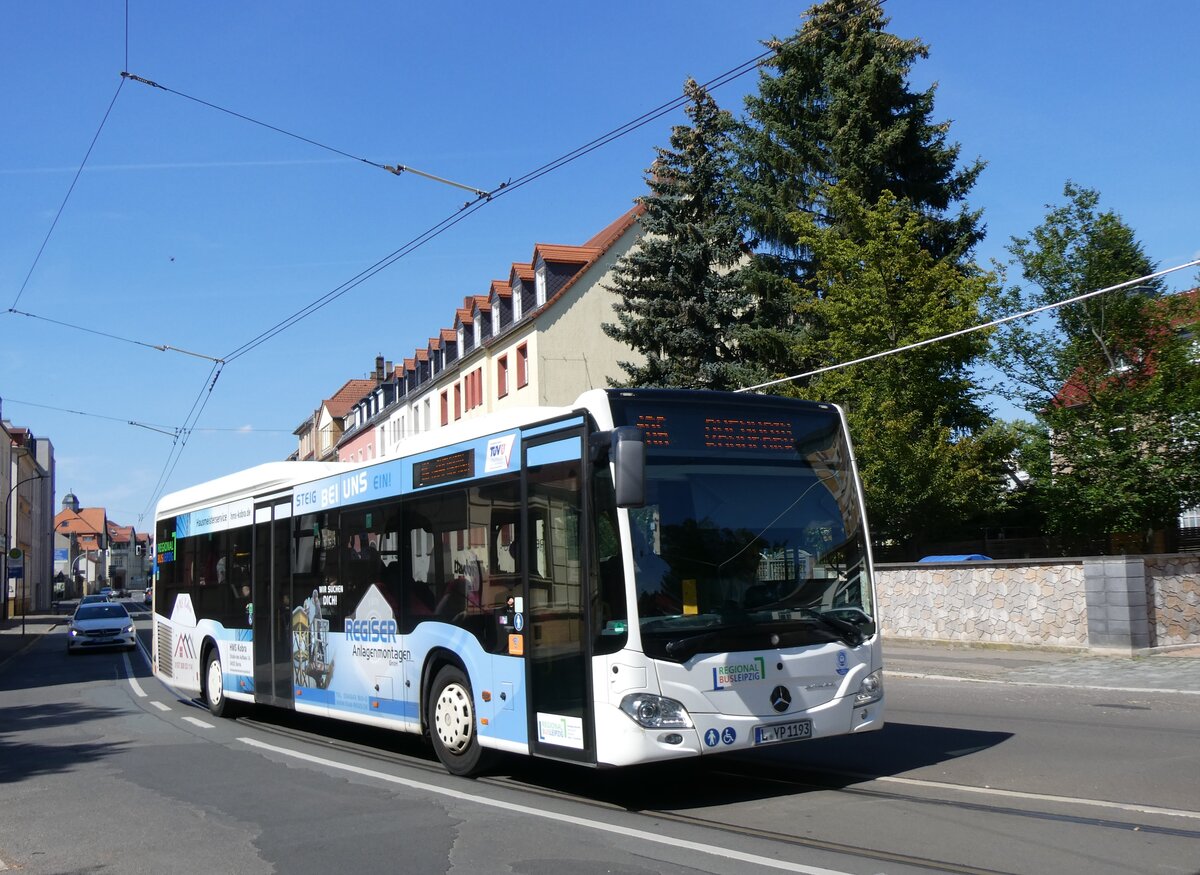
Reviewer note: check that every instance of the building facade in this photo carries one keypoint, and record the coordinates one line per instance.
(534, 339)
(27, 484)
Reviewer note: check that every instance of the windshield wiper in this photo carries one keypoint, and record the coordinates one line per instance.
(685, 648)
(848, 632)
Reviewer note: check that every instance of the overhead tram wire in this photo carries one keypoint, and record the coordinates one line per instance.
(161, 347)
(153, 426)
(67, 197)
(395, 169)
(992, 324)
(467, 209)
(184, 433)
(471, 206)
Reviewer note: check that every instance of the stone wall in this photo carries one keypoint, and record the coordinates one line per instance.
(1122, 602)
(1173, 594)
(1004, 602)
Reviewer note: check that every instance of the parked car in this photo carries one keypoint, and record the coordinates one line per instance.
(94, 598)
(101, 624)
(107, 591)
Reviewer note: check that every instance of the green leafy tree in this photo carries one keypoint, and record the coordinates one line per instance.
(928, 458)
(834, 107)
(680, 298)
(1113, 379)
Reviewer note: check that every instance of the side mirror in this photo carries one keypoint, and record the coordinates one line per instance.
(629, 466)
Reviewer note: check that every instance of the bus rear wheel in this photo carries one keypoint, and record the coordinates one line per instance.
(214, 687)
(452, 724)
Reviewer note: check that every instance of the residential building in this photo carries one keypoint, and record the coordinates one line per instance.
(127, 551)
(318, 436)
(83, 532)
(27, 485)
(534, 339)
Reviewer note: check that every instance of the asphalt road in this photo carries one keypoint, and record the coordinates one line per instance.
(103, 769)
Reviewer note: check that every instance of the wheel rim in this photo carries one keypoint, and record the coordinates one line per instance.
(453, 718)
(216, 684)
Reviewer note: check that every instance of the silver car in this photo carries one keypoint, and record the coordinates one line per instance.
(103, 624)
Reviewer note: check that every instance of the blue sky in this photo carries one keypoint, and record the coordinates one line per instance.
(197, 230)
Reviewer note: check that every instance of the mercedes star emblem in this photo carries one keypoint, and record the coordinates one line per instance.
(780, 698)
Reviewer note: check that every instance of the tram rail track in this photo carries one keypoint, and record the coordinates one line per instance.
(798, 781)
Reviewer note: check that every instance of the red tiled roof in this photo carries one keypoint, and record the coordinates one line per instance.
(566, 254)
(613, 232)
(522, 271)
(422, 355)
(89, 521)
(449, 335)
(345, 398)
(501, 288)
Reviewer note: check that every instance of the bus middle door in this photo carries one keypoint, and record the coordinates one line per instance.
(557, 646)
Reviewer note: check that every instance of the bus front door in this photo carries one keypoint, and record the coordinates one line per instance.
(555, 640)
(272, 603)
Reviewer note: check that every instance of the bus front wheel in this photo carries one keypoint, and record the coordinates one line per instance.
(214, 687)
(452, 724)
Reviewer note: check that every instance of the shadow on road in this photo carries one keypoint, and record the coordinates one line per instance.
(786, 770)
(20, 761)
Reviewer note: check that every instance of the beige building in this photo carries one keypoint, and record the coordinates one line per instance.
(534, 339)
(27, 487)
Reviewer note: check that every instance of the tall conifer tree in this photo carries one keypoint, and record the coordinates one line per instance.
(680, 297)
(853, 199)
(834, 107)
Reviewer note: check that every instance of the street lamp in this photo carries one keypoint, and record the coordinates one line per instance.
(8, 540)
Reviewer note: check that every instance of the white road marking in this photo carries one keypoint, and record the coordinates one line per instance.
(945, 677)
(642, 835)
(160, 706)
(1040, 797)
(197, 722)
(137, 688)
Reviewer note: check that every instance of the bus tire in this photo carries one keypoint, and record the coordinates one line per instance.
(214, 686)
(453, 727)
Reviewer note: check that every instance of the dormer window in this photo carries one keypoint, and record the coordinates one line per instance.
(539, 284)
(476, 328)
(516, 301)
(461, 337)
(495, 315)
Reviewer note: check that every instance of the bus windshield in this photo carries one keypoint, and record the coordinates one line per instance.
(752, 533)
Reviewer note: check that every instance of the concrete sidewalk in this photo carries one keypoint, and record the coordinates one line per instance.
(1174, 670)
(17, 633)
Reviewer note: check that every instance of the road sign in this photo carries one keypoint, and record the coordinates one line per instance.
(16, 563)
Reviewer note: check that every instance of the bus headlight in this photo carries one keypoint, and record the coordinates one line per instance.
(870, 690)
(656, 712)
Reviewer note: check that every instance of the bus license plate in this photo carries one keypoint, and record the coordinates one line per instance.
(783, 732)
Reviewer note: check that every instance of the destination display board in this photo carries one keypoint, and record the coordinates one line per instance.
(444, 469)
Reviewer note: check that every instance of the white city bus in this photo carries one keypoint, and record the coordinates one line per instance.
(646, 575)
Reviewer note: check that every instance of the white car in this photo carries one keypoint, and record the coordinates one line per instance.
(102, 624)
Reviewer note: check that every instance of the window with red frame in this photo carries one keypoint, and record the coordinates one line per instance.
(502, 376)
(446, 408)
(522, 365)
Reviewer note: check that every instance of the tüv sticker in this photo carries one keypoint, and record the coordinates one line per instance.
(499, 453)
